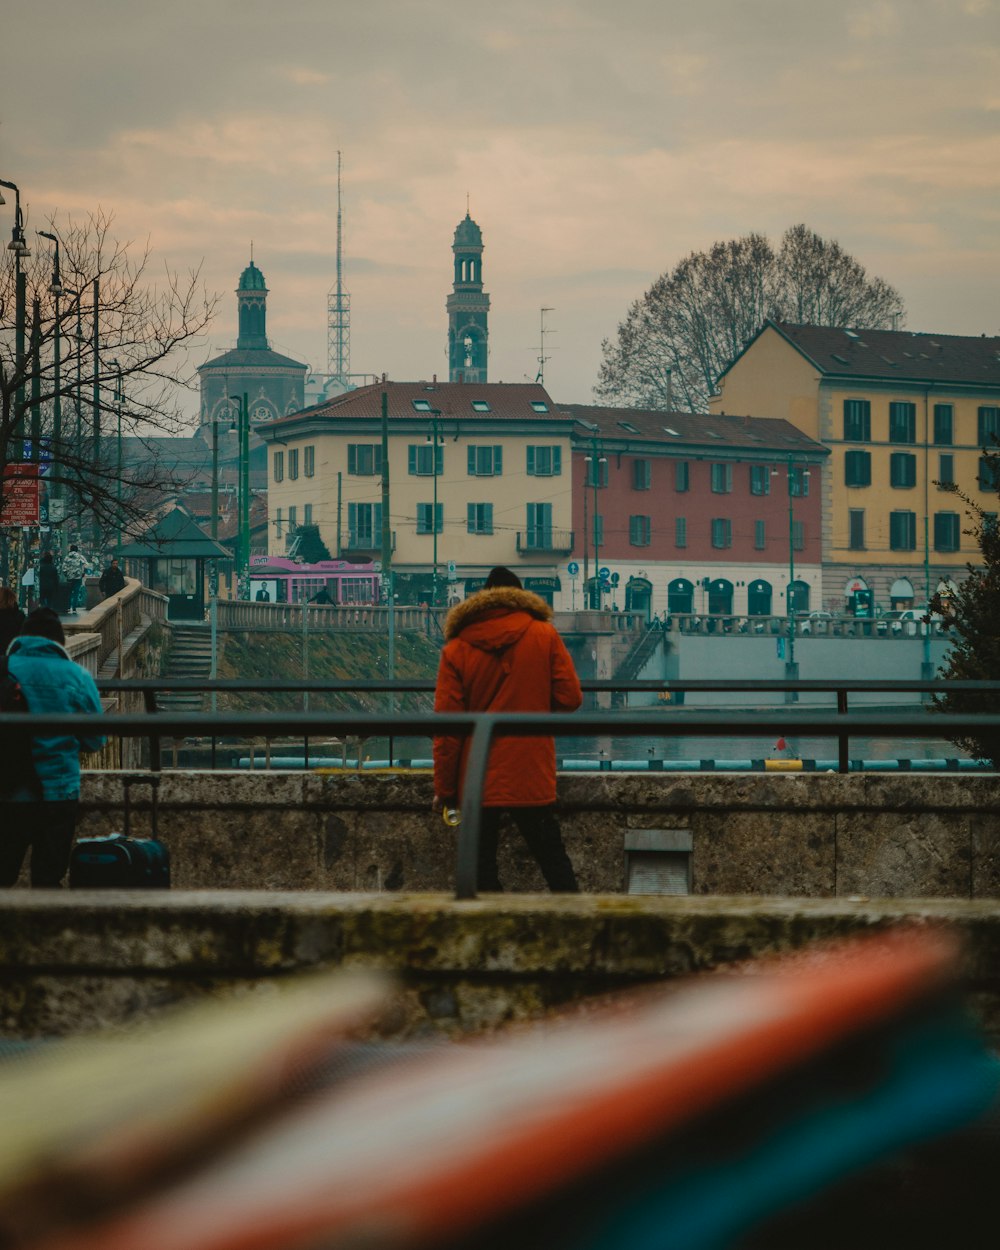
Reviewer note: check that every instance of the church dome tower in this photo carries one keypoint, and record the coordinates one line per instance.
(468, 307)
(251, 298)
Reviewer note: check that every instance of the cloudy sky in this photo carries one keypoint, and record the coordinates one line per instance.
(599, 142)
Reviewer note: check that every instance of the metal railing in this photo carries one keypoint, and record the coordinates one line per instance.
(484, 727)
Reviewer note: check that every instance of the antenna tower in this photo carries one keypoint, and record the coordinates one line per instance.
(338, 308)
(542, 358)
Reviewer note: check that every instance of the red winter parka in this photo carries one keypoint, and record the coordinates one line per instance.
(502, 654)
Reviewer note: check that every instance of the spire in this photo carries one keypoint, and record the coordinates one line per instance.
(468, 305)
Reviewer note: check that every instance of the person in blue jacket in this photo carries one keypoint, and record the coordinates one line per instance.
(40, 810)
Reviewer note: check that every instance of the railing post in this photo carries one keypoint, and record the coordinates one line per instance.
(843, 763)
(467, 869)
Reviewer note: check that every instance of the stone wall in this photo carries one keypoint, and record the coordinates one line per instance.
(71, 962)
(797, 835)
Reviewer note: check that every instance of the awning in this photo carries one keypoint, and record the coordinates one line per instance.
(901, 588)
(854, 585)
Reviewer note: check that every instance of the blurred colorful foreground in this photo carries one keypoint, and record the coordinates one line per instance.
(693, 1115)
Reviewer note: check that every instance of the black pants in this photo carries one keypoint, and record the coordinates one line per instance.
(47, 828)
(540, 829)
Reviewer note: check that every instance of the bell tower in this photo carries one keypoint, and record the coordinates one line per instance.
(468, 307)
(251, 298)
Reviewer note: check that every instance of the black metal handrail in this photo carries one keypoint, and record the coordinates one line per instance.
(483, 727)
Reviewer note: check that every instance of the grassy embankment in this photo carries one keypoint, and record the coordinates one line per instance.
(334, 655)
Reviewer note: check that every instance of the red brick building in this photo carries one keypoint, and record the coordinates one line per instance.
(695, 513)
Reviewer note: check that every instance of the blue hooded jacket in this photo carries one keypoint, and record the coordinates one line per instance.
(52, 682)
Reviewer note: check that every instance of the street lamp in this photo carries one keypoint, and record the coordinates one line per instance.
(56, 290)
(434, 438)
(119, 397)
(594, 460)
(19, 247)
(791, 668)
(243, 524)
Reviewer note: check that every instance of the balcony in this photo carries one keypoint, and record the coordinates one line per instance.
(545, 540)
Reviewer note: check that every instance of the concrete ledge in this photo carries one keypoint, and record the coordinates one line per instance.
(797, 835)
(71, 962)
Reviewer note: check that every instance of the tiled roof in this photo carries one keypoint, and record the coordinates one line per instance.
(690, 429)
(453, 399)
(897, 354)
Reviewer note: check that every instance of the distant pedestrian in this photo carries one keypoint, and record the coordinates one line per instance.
(74, 567)
(48, 583)
(112, 580)
(503, 654)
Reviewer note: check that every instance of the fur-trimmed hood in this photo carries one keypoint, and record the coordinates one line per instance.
(492, 604)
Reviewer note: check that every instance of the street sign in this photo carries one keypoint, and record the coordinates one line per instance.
(451, 570)
(573, 568)
(604, 574)
(20, 495)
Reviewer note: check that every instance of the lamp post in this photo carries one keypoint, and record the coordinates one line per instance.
(388, 577)
(791, 668)
(56, 290)
(243, 524)
(594, 460)
(95, 335)
(21, 251)
(435, 439)
(119, 397)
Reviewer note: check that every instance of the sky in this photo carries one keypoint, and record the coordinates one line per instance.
(598, 142)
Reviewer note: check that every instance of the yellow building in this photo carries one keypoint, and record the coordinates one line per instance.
(901, 413)
(479, 475)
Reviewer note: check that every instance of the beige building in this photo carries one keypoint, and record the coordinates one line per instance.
(902, 414)
(479, 475)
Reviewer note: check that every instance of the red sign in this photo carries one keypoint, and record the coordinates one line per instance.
(19, 505)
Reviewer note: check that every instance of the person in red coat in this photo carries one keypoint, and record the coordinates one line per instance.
(502, 654)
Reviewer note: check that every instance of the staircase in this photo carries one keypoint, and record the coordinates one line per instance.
(190, 656)
(636, 660)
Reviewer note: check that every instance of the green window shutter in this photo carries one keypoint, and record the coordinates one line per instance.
(531, 463)
(472, 461)
(412, 458)
(556, 461)
(497, 463)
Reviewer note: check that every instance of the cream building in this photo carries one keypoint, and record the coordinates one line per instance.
(902, 414)
(479, 475)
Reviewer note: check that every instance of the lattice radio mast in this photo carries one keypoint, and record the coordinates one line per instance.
(542, 358)
(338, 322)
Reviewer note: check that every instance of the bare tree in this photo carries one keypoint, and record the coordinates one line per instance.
(969, 613)
(119, 339)
(692, 322)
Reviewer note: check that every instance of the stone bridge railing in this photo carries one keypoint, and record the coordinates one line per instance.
(115, 619)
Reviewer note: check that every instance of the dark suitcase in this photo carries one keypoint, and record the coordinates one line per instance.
(119, 861)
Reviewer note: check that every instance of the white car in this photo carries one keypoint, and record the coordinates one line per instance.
(912, 621)
(817, 623)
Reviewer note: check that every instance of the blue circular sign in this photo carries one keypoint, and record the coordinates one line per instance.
(572, 568)
(604, 574)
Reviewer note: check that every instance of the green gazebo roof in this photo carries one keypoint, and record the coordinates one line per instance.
(176, 536)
